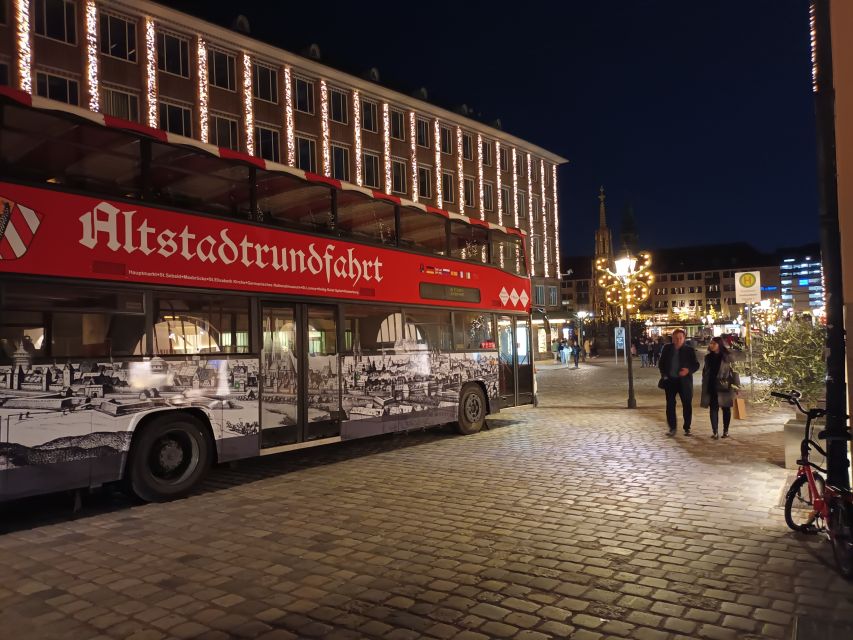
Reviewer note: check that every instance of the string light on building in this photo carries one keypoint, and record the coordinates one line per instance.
(499, 189)
(386, 145)
(414, 150)
(202, 90)
(544, 218)
(356, 137)
(556, 220)
(515, 185)
(248, 104)
(480, 177)
(25, 54)
(439, 196)
(92, 56)
(530, 213)
(813, 43)
(288, 115)
(324, 123)
(151, 72)
(460, 171)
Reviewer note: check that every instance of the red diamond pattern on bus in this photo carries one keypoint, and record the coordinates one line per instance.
(514, 297)
(524, 298)
(504, 296)
(18, 226)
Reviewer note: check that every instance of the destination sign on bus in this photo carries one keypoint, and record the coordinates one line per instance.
(433, 291)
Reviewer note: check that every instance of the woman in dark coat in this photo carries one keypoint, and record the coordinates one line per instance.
(717, 379)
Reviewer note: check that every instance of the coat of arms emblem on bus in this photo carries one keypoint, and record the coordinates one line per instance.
(18, 226)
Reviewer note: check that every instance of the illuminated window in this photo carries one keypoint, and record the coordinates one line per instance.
(55, 19)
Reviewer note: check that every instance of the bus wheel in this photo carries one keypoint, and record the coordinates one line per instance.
(472, 410)
(168, 457)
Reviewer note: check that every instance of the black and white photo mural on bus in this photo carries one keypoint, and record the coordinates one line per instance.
(61, 422)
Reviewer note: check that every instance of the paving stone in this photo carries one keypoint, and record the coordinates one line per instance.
(547, 525)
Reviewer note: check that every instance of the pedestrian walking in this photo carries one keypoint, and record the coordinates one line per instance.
(643, 350)
(576, 352)
(677, 365)
(718, 380)
(555, 348)
(563, 348)
(657, 347)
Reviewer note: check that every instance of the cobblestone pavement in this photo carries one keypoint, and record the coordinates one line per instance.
(578, 519)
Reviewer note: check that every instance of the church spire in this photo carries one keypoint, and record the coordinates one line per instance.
(603, 237)
(602, 222)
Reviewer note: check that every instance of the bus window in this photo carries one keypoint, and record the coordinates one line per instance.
(363, 217)
(22, 331)
(68, 321)
(469, 242)
(427, 330)
(192, 323)
(422, 231)
(473, 330)
(289, 201)
(51, 148)
(507, 253)
(191, 179)
(372, 328)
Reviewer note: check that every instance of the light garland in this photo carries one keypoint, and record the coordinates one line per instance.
(499, 188)
(25, 53)
(288, 118)
(544, 215)
(460, 170)
(203, 90)
(92, 55)
(480, 176)
(386, 145)
(439, 196)
(556, 221)
(629, 290)
(813, 43)
(413, 140)
(530, 212)
(515, 185)
(248, 104)
(151, 72)
(324, 123)
(356, 125)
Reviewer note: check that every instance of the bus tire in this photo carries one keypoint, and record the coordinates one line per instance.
(472, 409)
(168, 457)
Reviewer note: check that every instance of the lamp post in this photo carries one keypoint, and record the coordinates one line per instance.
(627, 287)
(582, 315)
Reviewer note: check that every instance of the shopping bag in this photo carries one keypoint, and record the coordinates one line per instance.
(739, 409)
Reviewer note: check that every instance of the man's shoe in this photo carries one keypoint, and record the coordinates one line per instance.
(726, 435)
(715, 436)
(687, 432)
(671, 432)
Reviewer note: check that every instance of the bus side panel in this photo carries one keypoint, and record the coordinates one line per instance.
(396, 392)
(71, 426)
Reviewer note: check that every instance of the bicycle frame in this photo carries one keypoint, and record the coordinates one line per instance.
(819, 500)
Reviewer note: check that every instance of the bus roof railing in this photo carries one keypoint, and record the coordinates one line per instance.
(46, 104)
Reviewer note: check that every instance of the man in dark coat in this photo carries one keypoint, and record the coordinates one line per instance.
(677, 365)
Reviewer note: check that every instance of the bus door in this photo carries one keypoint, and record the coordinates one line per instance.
(298, 374)
(516, 364)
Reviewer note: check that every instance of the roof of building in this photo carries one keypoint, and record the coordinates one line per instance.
(734, 255)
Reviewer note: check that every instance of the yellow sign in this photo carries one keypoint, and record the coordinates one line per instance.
(747, 280)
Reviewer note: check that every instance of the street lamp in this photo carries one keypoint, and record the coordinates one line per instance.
(582, 315)
(627, 287)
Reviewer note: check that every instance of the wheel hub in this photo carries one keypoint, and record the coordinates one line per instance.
(170, 456)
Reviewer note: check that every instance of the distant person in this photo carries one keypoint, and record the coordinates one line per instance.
(717, 381)
(587, 349)
(643, 350)
(677, 365)
(555, 348)
(576, 352)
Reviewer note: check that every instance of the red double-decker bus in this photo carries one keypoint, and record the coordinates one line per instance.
(166, 304)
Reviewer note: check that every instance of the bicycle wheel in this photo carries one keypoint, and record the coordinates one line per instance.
(799, 504)
(841, 526)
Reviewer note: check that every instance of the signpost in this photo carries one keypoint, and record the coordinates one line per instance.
(748, 292)
(619, 341)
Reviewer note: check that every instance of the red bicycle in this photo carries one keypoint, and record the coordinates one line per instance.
(811, 505)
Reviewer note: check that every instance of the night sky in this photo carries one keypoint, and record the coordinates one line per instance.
(699, 114)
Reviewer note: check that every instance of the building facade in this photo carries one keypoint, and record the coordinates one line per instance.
(801, 275)
(147, 63)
